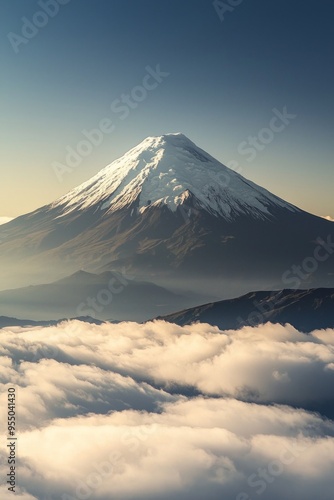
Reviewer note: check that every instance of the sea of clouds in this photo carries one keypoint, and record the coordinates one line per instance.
(157, 411)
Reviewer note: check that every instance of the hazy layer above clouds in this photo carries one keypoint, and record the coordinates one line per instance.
(157, 411)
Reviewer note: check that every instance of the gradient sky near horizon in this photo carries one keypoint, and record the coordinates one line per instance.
(225, 78)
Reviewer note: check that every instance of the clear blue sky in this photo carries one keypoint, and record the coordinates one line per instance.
(225, 78)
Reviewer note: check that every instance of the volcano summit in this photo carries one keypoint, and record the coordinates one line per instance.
(169, 213)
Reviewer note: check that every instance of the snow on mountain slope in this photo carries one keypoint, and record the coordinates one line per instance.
(165, 170)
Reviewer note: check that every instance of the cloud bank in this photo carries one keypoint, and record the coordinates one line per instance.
(159, 411)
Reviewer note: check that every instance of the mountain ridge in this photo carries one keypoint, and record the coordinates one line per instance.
(101, 296)
(206, 227)
(305, 309)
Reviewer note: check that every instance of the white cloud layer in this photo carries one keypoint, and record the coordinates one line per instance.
(157, 411)
(4, 220)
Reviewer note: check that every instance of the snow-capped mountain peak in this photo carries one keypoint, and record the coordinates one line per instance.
(165, 170)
